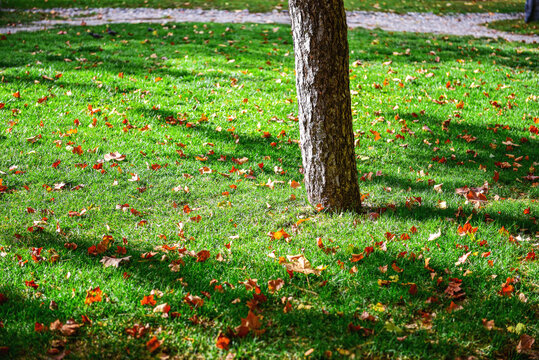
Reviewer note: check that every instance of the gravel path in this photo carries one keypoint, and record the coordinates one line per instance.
(462, 24)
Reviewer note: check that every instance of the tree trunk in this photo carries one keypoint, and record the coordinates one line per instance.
(325, 116)
(532, 10)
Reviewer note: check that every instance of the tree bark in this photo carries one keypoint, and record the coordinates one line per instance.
(532, 10)
(325, 116)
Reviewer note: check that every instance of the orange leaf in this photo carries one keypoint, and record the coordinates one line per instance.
(507, 288)
(223, 342)
(94, 295)
(376, 135)
(294, 184)
(356, 257)
(153, 344)
(453, 307)
(148, 300)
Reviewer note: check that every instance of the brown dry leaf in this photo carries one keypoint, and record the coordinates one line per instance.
(356, 257)
(396, 268)
(68, 329)
(114, 156)
(112, 261)
(193, 300)
(298, 263)
(453, 307)
(525, 343)
(463, 258)
(137, 331)
(488, 324)
(275, 285)
(454, 290)
(250, 323)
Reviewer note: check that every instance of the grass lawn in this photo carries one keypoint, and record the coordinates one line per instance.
(17, 17)
(203, 198)
(515, 26)
(436, 6)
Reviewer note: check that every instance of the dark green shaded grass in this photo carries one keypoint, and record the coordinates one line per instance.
(515, 26)
(207, 72)
(402, 6)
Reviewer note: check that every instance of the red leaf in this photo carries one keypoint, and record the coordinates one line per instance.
(31, 284)
(38, 327)
(203, 255)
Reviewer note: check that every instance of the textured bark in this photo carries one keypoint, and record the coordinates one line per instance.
(325, 116)
(532, 10)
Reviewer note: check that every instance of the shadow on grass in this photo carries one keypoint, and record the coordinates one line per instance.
(308, 320)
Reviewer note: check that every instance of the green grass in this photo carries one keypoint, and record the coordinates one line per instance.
(214, 90)
(12, 18)
(436, 6)
(515, 26)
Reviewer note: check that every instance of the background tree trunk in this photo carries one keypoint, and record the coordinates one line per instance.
(325, 116)
(532, 10)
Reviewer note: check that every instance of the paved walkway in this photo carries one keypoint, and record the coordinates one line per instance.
(463, 24)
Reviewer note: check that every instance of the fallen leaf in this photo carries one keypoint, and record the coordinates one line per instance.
(222, 342)
(525, 343)
(488, 324)
(275, 285)
(463, 259)
(298, 263)
(162, 308)
(112, 261)
(153, 344)
(250, 323)
(114, 156)
(435, 235)
(148, 300)
(93, 295)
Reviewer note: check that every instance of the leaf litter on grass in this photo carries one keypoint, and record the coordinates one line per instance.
(188, 188)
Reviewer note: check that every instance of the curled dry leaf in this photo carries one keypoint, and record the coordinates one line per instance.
(193, 300)
(114, 156)
(162, 308)
(68, 329)
(298, 263)
(137, 331)
(453, 307)
(112, 261)
(203, 255)
(463, 258)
